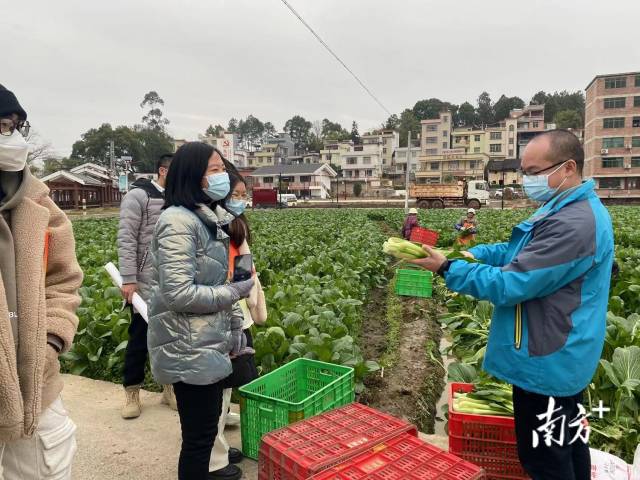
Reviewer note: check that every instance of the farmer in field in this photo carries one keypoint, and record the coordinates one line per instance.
(410, 223)
(550, 288)
(39, 282)
(468, 227)
(139, 212)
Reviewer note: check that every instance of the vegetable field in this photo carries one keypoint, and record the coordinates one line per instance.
(318, 268)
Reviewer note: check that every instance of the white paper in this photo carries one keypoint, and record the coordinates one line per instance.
(139, 304)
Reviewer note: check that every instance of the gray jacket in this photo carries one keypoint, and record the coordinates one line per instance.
(139, 212)
(191, 312)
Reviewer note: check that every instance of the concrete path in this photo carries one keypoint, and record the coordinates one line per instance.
(146, 448)
(109, 447)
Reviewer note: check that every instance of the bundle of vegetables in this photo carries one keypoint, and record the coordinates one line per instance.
(406, 250)
(487, 398)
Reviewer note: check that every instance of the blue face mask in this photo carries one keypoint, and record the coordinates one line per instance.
(537, 186)
(236, 207)
(219, 186)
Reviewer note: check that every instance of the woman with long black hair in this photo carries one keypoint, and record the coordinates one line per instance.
(195, 320)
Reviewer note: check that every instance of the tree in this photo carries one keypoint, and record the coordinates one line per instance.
(251, 129)
(298, 129)
(357, 189)
(428, 109)
(485, 109)
(39, 151)
(392, 122)
(216, 131)
(142, 143)
(269, 130)
(408, 123)
(568, 119)
(539, 98)
(355, 136)
(315, 143)
(154, 117)
(233, 126)
(504, 105)
(467, 115)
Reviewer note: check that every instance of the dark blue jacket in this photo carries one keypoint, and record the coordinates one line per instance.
(550, 288)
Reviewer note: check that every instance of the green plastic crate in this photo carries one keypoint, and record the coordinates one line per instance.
(414, 282)
(300, 389)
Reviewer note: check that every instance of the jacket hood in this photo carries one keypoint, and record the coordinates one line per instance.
(146, 185)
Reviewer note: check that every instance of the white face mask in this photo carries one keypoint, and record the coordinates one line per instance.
(13, 152)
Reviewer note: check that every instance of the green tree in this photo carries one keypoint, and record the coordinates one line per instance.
(357, 189)
(298, 129)
(216, 131)
(154, 117)
(315, 143)
(408, 123)
(467, 115)
(269, 130)
(392, 122)
(504, 105)
(155, 143)
(428, 109)
(233, 126)
(568, 119)
(558, 102)
(539, 98)
(484, 110)
(355, 136)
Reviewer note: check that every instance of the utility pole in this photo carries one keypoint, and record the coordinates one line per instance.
(406, 174)
(502, 196)
(112, 157)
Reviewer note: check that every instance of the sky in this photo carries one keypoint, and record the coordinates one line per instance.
(75, 64)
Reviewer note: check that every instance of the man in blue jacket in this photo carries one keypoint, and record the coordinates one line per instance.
(550, 288)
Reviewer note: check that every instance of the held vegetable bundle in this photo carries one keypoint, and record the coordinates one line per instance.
(406, 250)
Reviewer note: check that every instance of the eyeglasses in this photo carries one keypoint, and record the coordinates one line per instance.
(8, 126)
(544, 169)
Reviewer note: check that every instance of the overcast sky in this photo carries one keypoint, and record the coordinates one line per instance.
(75, 64)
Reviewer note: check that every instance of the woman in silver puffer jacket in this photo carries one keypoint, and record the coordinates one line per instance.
(195, 321)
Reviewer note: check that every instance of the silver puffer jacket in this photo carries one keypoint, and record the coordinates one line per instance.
(191, 312)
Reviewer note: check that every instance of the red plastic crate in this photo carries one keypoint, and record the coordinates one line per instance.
(424, 236)
(488, 441)
(313, 445)
(403, 458)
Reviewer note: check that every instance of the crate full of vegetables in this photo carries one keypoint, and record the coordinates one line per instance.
(482, 430)
(297, 390)
(317, 444)
(403, 458)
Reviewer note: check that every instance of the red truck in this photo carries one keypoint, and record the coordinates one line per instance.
(264, 198)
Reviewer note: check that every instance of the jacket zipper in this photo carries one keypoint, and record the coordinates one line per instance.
(518, 327)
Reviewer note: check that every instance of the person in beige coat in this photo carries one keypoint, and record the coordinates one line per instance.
(39, 283)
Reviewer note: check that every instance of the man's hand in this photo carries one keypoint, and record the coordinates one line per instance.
(433, 262)
(128, 289)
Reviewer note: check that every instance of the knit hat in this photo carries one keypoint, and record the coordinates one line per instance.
(9, 104)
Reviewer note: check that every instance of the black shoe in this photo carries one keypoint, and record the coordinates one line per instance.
(235, 455)
(230, 472)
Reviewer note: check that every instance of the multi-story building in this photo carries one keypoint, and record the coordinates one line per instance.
(270, 154)
(436, 135)
(396, 172)
(287, 147)
(524, 123)
(307, 158)
(305, 181)
(387, 141)
(612, 134)
(331, 152)
(470, 139)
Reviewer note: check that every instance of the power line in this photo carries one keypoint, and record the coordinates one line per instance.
(324, 44)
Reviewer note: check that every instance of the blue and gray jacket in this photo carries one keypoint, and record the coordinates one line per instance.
(550, 288)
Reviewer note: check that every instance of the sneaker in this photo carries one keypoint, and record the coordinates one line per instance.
(132, 407)
(168, 397)
(235, 455)
(230, 472)
(233, 419)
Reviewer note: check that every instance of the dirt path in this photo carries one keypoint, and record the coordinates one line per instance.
(411, 386)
